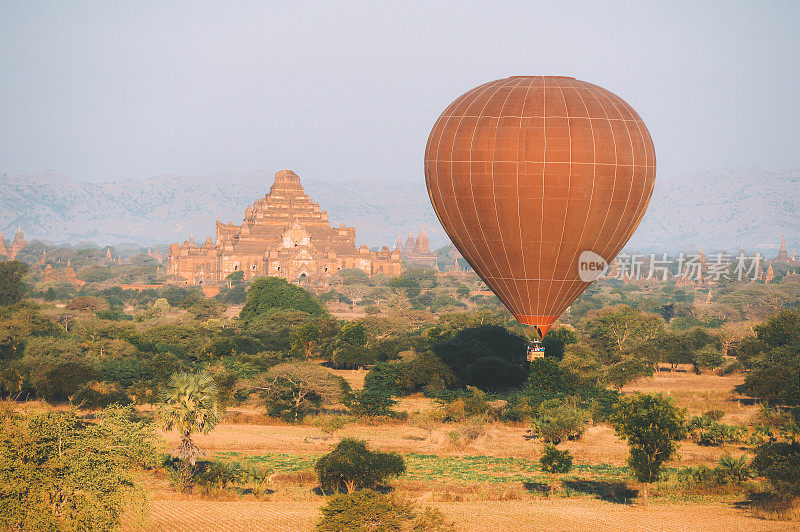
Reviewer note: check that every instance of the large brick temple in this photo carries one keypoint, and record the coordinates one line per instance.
(284, 234)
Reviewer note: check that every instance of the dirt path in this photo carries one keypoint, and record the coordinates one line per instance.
(484, 516)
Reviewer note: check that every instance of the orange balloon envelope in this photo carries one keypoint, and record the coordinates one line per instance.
(538, 180)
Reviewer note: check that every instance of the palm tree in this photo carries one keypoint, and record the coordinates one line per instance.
(190, 406)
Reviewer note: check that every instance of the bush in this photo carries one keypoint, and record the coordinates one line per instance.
(555, 461)
(557, 421)
(779, 462)
(729, 473)
(351, 466)
(362, 511)
(331, 424)
(60, 473)
(468, 405)
(546, 375)
(705, 430)
(368, 510)
(371, 402)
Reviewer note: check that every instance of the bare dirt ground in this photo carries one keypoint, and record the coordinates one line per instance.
(294, 507)
(483, 516)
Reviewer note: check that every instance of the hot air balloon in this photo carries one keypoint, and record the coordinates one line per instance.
(536, 180)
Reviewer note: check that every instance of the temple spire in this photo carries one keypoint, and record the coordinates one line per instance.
(783, 255)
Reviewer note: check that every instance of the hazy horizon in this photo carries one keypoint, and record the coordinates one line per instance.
(100, 92)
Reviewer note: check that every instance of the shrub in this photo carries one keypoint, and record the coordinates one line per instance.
(216, 475)
(471, 404)
(368, 510)
(557, 421)
(361, 511)
(729, 473)
(705, 430)
(60, 473)
(331, 424)
(779, 462)
(546, 375)
(352, 466)
(99, 395)
(371, 402)
(555, 461)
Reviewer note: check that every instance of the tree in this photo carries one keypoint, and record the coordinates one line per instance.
(313, 338)
(487, 356)
(267, 294)
(12, 289)
(352, 466)
(782, 328)
(555, 461)
(581, 366)
(292, 390)
(87, 303)
(354, 276)
(371, 402)
(350, 349)
(57, 367)
(773, 358)
(190, 406)
(410, 286)
(206, 309)
(546, 375)
(651, 424)
(235, 277)
(615, 329)
(556, 340)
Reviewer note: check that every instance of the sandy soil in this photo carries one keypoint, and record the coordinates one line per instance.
(539, 514)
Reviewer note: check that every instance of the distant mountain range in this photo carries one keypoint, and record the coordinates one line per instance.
(718, 208)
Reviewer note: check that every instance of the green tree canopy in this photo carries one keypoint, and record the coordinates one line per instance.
(12, 288)
(268, 294)
(190, 406)
(58, 472)
(352, 466)
(652, 425)
(487, 356)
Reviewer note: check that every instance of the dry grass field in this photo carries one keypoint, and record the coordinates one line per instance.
(479, 486)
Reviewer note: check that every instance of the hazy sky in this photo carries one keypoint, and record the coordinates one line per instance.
(350, 90)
